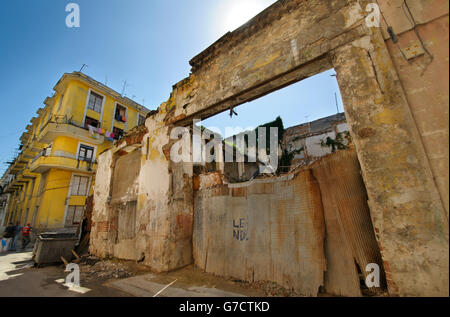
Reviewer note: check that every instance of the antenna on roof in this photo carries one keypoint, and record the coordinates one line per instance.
(337, 104)
(123, 89)
(84, 65)
(335, 94)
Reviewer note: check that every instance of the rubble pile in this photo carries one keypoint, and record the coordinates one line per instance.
(273, 289)
(269, 288)
(94, 268)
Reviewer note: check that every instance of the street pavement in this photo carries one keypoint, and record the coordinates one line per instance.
(19, 278)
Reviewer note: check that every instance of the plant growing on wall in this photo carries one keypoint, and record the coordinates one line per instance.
(277, 123)
(286, 156)
(286, 159)
(337, 144)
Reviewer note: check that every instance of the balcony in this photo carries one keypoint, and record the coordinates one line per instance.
(33, 147)
(43, 163)
(64, 126)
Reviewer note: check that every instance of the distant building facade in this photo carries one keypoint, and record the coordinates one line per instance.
(312, 140)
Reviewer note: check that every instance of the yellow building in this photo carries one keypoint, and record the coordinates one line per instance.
(48, 182)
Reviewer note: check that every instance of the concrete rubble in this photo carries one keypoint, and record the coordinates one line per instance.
(93, 268)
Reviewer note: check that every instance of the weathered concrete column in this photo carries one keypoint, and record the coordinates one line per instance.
(101, 235)
(409, 219)
(165, 197)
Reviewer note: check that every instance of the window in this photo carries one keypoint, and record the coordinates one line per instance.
(121, 113)
(91, 122)
(86, 153)
(141, 120)
(74, 215)
(95, 102)
(79, 186)
(117, 133)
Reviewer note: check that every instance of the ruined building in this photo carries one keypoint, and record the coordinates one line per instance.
(383, 200)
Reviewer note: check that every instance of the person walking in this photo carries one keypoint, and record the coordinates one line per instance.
(3, 246)
(26, 233)
(8, 235)
(17, 232)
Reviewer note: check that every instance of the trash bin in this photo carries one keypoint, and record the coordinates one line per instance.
(51, 246)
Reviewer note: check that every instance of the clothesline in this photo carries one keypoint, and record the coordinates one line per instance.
(94, 132)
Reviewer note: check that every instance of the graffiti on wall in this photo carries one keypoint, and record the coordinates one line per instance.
(240, 229)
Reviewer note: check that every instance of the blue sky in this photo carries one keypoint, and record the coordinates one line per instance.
(148, 43)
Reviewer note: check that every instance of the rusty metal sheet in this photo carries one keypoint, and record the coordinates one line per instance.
(274, 229)
(269, 232)
(350, 238)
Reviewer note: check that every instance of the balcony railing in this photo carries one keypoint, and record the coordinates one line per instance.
(64, 119)
(67, 161)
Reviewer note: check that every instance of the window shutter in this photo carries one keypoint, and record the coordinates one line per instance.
(78, 214)
(83, 186)
(75, 184)
(69, 216)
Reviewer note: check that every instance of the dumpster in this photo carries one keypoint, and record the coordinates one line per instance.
(51, 246)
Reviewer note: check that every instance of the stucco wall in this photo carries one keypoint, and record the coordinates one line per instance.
(426, 84)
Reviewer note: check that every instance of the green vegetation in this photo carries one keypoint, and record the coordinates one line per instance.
(338, 143)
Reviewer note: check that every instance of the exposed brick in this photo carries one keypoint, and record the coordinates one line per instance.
(102, 226)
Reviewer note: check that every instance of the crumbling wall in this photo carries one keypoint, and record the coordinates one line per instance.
(143, 214)
(249, 62)
(100, 241)
(395, 169)
(289, 41)
(425, 76)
